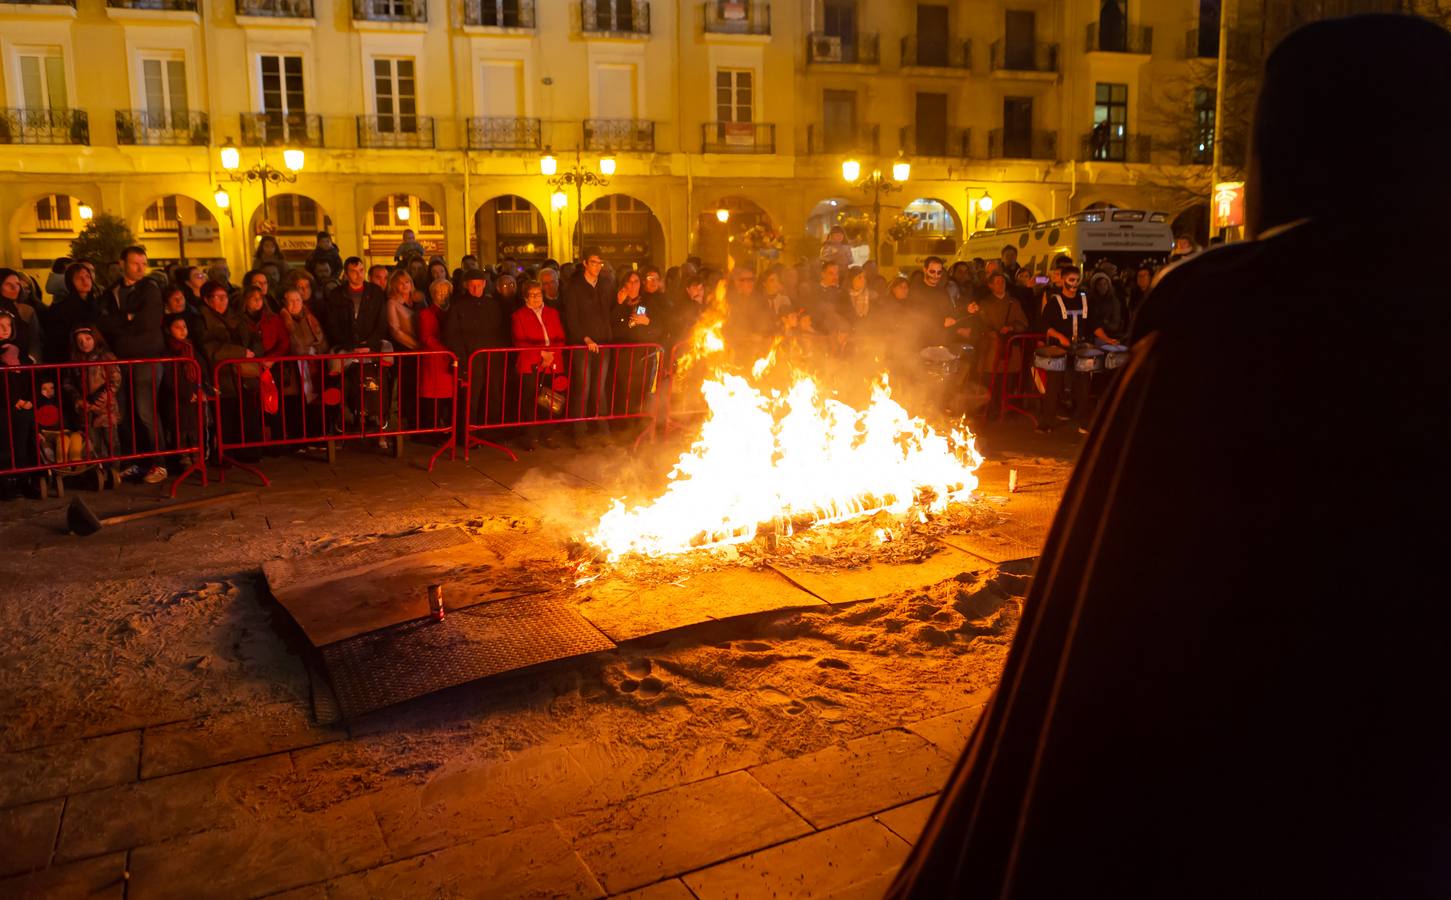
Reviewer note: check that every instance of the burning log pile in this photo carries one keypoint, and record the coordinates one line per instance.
(777, 457)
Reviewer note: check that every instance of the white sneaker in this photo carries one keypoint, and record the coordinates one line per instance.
(155, 475)
(130, 472)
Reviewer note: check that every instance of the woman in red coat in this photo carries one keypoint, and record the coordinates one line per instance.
(536, 328)
(435, 373)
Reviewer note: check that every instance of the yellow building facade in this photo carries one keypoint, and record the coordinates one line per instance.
(434, 115)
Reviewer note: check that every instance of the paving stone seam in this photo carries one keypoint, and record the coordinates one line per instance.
(875, 816)
(59, 824)
(91, 737)
(240, 759)
(781, 843)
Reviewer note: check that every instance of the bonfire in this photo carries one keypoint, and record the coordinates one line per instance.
(775, 454)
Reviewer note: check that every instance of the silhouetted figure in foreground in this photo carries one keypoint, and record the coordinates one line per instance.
(1231, 674)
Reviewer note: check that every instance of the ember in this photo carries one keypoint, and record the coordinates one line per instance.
(782, 459)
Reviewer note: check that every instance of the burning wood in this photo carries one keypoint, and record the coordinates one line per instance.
(771, 462)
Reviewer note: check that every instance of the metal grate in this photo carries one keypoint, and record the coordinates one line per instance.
(380, 669)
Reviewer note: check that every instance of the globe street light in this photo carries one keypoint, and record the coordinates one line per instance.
(262, 172)
(577, 177)
(851, 172)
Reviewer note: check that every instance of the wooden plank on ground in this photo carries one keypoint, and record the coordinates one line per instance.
(880, 579)
(625, 611)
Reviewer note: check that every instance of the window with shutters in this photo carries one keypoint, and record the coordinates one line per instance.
(163, 83)
(42, 78)
(734, 95)
(395, 95)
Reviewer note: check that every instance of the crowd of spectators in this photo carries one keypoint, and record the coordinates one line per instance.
(938, 329)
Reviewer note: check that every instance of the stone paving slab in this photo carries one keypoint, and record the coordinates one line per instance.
(619, 772)
(869, 774)
(674, 889)
(66, 768)
(228, 737)
(146, 812)
(840, 586)
(951, 730)
(531, 862)
(908, 820)
(260, 857)
(625, 611)
(98, 878)
(27, 835)
(855, 860)
(461, 805)
(653, 837)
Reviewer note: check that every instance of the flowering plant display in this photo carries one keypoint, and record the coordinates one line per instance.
(760, 237)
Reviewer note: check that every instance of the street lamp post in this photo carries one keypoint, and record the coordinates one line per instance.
(878, 184)
(578, 176)
(261, 172)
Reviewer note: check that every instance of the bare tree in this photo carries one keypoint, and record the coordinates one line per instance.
(1176, 114)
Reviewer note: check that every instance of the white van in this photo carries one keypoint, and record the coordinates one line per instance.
(1125, 237)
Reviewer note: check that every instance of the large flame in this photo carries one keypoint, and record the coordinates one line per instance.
(771, 459)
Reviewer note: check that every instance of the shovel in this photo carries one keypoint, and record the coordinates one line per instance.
(81, 519)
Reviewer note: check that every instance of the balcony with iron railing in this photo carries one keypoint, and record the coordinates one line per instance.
(181, 128)
(271, 129)
(737, 18)
(834, 49)
(636, 135)
(1005, 144)
(863, 139)
(395, 132)
(737, 137)
(155, 5)
(615, 18)
(503, 133)
(950, 143)
(1033, 57)
(407, 11)
(1131, 39)
(935, 54)
(44, 126)
(1103, 145)
(501, 14)
(276, 9)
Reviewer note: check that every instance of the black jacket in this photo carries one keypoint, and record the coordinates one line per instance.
(131, 320)
(587, 309)
(64, 316)
(369, 328)
(475, 324)
(653, 333)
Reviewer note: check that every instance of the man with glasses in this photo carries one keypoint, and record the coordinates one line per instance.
(587, 305)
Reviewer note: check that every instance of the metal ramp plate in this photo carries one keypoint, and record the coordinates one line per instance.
(371, 671)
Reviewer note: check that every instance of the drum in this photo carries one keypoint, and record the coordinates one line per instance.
(939, 361)
(1050, 359)
(1116, 356)
(1087, 358)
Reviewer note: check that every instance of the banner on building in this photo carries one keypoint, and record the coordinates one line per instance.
(1228, 204)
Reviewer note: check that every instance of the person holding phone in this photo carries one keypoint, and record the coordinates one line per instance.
(632, 323)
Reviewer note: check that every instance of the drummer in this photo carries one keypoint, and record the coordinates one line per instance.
(1069, 323)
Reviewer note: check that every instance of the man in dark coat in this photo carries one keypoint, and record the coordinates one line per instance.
(357, 320)
(588, 301)
(1230, 675)
(477, 321)
(131, 313)
(357, 311)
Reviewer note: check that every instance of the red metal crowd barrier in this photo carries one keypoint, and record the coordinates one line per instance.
(516, 387)
(72, 418)
(280, 401)
(1013, 378)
